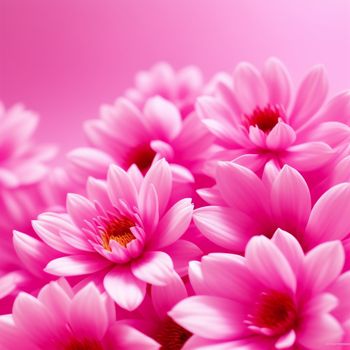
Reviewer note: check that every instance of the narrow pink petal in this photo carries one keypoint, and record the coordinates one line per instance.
(124, 288)
(286, 341)
(97, 191)
(257, 137)
(290, 200)
(211, 317)
(250, 88)
(242, 189)
(319, 331)
(311, 95)
(181, 174)
(319, 304)
(290, 248)
(341, 172)
(269, 265)
(80, 209)
(92, 161)
(174, 223)
(165, 297)
(154, 267)
(196, 277)
(322, 266)
(224, 226)
(88, 313)
(162, 118)
(228, 276)
(123, 337)
(181, 252)
(75, 265)
(309, 156)
(49, 233)
(33, 253)
(323, 224)
(120, 187)
(278, 82)
(159, 175)
(149, 208)
(280, 137)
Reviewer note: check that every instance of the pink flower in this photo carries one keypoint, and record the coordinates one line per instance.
(126, 135)
(60, 318)
(124, 231)
(254, 121)
(243, 205)
(273, 298)
(181, 87)
(22, 167)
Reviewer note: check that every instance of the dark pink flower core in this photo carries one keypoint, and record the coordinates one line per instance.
(264, 118)
(171, 336)
(142, 156)
(274, 314)
(83, 345)
(118, 230)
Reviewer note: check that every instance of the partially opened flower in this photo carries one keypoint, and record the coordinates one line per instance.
(254, 121)
(126, 135)
(243, 205)
(124, 231)
(179, 87)
(273, 298)
(61, 319)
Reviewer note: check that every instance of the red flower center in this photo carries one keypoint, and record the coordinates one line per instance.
(142, 156)
(172, 336)
(83, 345)
(275, 313)
(265, 119)
(118, 230)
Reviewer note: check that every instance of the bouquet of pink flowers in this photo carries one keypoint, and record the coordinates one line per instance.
(201, 215)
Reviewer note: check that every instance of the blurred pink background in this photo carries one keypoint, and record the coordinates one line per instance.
(63, 58)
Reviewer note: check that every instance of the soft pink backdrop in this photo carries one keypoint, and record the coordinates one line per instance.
(63, 58)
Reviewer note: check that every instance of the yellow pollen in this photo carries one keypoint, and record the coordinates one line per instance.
(119, 231)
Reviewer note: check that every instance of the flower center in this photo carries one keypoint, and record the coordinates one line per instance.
(265, 119)
(118, 230)
(142, 156)
(274, 314)
(83, 345)
(172, 336)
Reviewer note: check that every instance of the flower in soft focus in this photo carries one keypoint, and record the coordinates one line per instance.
(181, 87)
(254, 121)
(61, 319)
(125, 230)
(243, 205)
(22, 167)
(273, 298)
(126, 135)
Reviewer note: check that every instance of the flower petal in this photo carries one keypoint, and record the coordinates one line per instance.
(280, 137)
(124, 288)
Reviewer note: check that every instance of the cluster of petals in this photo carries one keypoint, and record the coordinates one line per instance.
(199, 216)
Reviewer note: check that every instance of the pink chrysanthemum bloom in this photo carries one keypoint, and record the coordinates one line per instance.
(181, 87)
(273, 298)
(243, 205)
(126, 135)
(61, 319)
(22, 166)
(124, 231)
(254, 121)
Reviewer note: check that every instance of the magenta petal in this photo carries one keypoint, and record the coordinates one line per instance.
(311, 95)
(154, 267)
(278, 82)
(269, 265)
(211, 317)
(124, 288)
(322, 265)
(174, 223)
(75, 265)
(290, 200)
(123, 337)
(280, 137)
(88, 314)
(165, 297)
